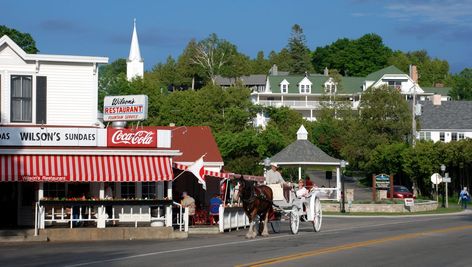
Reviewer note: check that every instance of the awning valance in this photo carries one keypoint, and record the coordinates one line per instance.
(84, 168)
(207, 172)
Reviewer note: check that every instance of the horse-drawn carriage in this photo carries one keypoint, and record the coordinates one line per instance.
(307, 208)
(266, 204)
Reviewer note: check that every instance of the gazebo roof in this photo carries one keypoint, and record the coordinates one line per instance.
(303, 152)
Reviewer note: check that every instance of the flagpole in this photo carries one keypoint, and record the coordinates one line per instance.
(179, 175)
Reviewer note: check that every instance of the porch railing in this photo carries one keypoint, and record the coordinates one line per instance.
(100, 212)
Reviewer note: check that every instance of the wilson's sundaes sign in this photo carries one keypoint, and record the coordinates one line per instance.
(30, 136)
(125, 108)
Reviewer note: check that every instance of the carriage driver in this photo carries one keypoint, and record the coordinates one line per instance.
(273, 176)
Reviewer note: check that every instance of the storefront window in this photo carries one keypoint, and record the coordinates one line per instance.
(149, 190)
(54, 190)
(128, 190)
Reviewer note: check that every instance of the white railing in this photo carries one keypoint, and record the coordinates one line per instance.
(232, 218)
(301, 104)
(290, 103)
(76, 215)
(182, 218)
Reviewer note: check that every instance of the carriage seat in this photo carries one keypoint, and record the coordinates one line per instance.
(277, 191)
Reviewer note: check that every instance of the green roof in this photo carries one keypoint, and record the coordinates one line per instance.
(317, 81)
(351, 85)
(375, 76)
(437, 90)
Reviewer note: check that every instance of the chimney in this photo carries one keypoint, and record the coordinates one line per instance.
(326, 71)
(414, 73)
(436, 100)
(274, 71)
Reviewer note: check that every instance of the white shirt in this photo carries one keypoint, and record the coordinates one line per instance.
(274, 177)
(302, 192)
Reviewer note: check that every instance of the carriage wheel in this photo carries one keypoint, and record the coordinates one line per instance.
(318, 215)
(294, 220)
(275, 225)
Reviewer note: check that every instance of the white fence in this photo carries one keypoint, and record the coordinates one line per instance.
(75, 215)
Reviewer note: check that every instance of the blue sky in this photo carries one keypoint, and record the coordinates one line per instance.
(103, 28)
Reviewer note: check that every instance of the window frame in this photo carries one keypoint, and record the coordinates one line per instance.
(22, 98)
(442, 136)
(126, 193)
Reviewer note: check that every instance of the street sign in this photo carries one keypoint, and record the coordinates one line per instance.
(436, 178)
(446, 179)
(409, 202)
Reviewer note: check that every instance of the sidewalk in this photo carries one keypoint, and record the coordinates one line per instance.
(90, 234)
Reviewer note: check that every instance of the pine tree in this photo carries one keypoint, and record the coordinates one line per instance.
(300, 60)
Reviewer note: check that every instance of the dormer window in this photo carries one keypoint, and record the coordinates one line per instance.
(304, 86)
(395, 85)
(330, 86)
(284, 86)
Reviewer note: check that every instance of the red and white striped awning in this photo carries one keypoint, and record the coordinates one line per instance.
(207, 172)
(84, 168)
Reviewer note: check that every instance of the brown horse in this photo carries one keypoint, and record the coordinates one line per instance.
(257, 200)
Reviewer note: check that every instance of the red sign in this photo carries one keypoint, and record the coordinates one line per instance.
(131, 137)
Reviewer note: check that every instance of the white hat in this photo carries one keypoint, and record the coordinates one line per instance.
(274, 164)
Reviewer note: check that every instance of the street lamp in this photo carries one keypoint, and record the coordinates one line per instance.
(343, 194)
(443, 170)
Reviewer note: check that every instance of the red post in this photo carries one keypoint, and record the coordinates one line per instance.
(374, 193)
(391, 187)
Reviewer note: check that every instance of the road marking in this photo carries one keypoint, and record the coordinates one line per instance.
(313, 253)
(244, 242)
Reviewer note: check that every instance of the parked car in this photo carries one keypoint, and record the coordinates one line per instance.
(400, 191)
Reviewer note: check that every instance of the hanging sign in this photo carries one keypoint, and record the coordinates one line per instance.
(125, 108)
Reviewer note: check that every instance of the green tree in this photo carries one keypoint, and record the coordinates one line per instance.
(112, 80)
(462, 85)
(281, 59)
(300, 59)
(353, 57)
(167, 75)
(260, 65)
(212, 54)
(23, 40)
(419, 163)
(191, 73)
(384, 119)
(431, 71)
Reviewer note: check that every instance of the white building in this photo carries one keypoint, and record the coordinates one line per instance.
(39, 89)
(308, 93)
(53, 146)
(445, 121)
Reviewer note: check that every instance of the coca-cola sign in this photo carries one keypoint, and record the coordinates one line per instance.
(139, 137)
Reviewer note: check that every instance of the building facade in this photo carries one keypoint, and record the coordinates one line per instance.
(309, 93)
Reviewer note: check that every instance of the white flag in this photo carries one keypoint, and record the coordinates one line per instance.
(198, 170)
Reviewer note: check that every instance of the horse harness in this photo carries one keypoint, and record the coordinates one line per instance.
(255, 193)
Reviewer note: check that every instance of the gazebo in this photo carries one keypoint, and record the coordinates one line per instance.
(302, 153)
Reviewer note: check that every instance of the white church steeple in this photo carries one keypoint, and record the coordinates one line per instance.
(134, 64)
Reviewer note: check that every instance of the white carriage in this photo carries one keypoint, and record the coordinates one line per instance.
(295, 209)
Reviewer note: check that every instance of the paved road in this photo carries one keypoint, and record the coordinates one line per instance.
(406, 241)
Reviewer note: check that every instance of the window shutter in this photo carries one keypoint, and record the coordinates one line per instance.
(41, 99)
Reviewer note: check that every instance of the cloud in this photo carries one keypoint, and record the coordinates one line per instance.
(438, 31)
(61, 25)
(449, 12)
